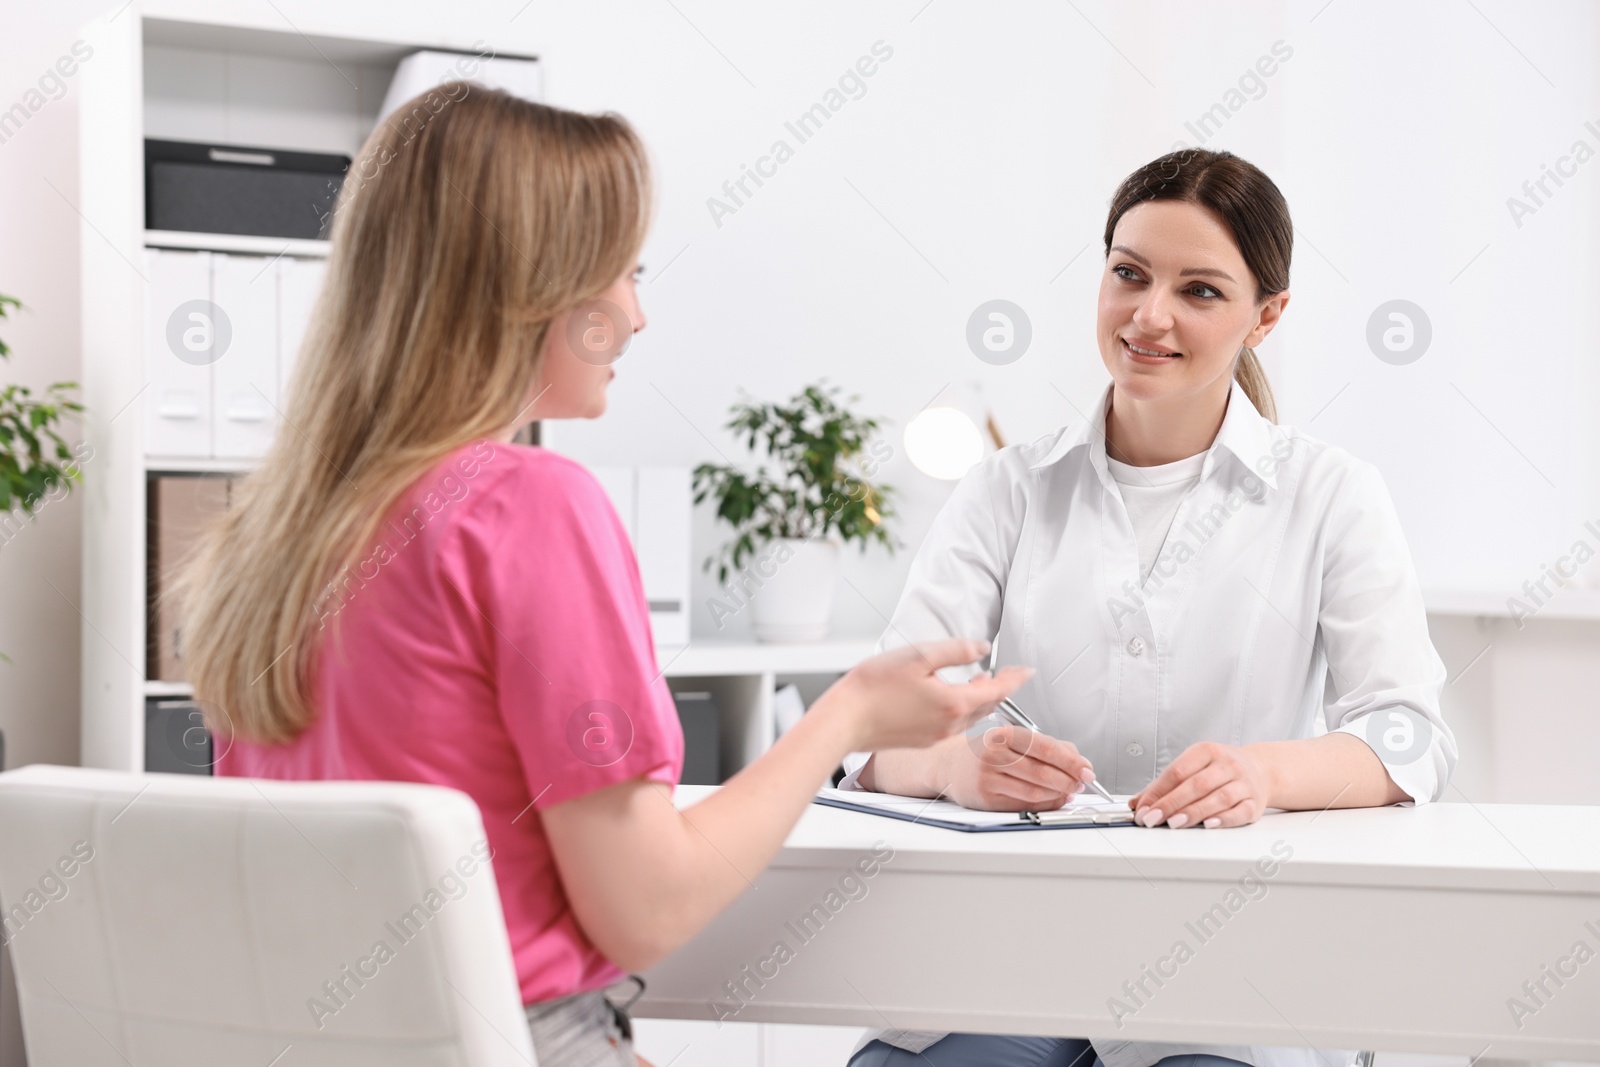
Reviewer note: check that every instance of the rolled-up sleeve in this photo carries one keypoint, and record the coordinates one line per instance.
(957, 579)
(1385, 676)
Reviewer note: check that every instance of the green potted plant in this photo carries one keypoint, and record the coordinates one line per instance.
(34, 459)
(790, 523)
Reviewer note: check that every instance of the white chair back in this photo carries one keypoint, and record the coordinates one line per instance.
(174, 920)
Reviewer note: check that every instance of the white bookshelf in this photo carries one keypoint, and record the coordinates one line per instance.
(236, 243)
(1572, 604)
(708, 657)
(195, 465)
(186, 80)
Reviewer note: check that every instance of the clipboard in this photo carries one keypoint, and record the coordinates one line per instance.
(952, 816)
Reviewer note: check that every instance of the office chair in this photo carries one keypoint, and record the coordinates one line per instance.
(189, 921)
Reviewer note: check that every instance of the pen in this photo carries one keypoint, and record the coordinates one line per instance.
(1016, 716)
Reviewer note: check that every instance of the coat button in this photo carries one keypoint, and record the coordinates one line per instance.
(1135, 748)
(1136, 645)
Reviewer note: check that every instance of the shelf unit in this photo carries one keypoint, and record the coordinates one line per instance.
(182, 79)
(193, 465)
(1572, 604)
(236, 243)
(743, 678)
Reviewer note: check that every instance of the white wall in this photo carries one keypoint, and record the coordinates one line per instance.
(39, 564)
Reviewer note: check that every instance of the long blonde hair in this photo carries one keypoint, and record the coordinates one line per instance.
(469, 222)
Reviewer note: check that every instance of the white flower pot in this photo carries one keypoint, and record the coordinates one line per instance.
(795, 601)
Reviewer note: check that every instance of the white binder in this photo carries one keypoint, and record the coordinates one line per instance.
(177, 403)
(299, 282)
(244, 378)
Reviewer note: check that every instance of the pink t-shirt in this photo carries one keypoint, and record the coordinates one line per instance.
(496, 641)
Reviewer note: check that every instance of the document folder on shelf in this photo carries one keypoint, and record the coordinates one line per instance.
(953, 816)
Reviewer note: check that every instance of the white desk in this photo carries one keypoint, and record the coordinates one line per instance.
(1399, 929)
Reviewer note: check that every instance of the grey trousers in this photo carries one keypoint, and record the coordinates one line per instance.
(997, 1050)
(585, 1030)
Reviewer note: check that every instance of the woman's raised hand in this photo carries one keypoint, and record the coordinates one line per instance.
(895, 700)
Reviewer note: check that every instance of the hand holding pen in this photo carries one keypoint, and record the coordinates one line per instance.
(1008, 710)
(1017, 767)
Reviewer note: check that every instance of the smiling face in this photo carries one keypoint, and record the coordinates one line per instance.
(1176, 286)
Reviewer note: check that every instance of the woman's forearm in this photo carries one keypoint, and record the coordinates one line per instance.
(644, 877)
(1336, 770)
(906, 771)
(723, 847)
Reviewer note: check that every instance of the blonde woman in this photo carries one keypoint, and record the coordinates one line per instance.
(1193, 582)
(403, 594)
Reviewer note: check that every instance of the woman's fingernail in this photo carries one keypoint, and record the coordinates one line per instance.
(1151, 817)
(1088, 775)
(1178, 821)
(1212, 823)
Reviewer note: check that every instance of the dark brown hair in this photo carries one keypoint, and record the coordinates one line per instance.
(1249, 205)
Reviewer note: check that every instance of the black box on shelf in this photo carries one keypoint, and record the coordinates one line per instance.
(176, 740)
(263, 192)
(702, 738)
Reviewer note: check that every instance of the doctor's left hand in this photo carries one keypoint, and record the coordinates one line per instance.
(1209, 785)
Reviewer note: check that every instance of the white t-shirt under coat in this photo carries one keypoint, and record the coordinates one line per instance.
(1151, 496)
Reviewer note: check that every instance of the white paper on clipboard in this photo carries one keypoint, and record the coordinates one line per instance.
(1091, 811)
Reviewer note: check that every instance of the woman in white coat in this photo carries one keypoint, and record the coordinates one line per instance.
(1192, 583)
